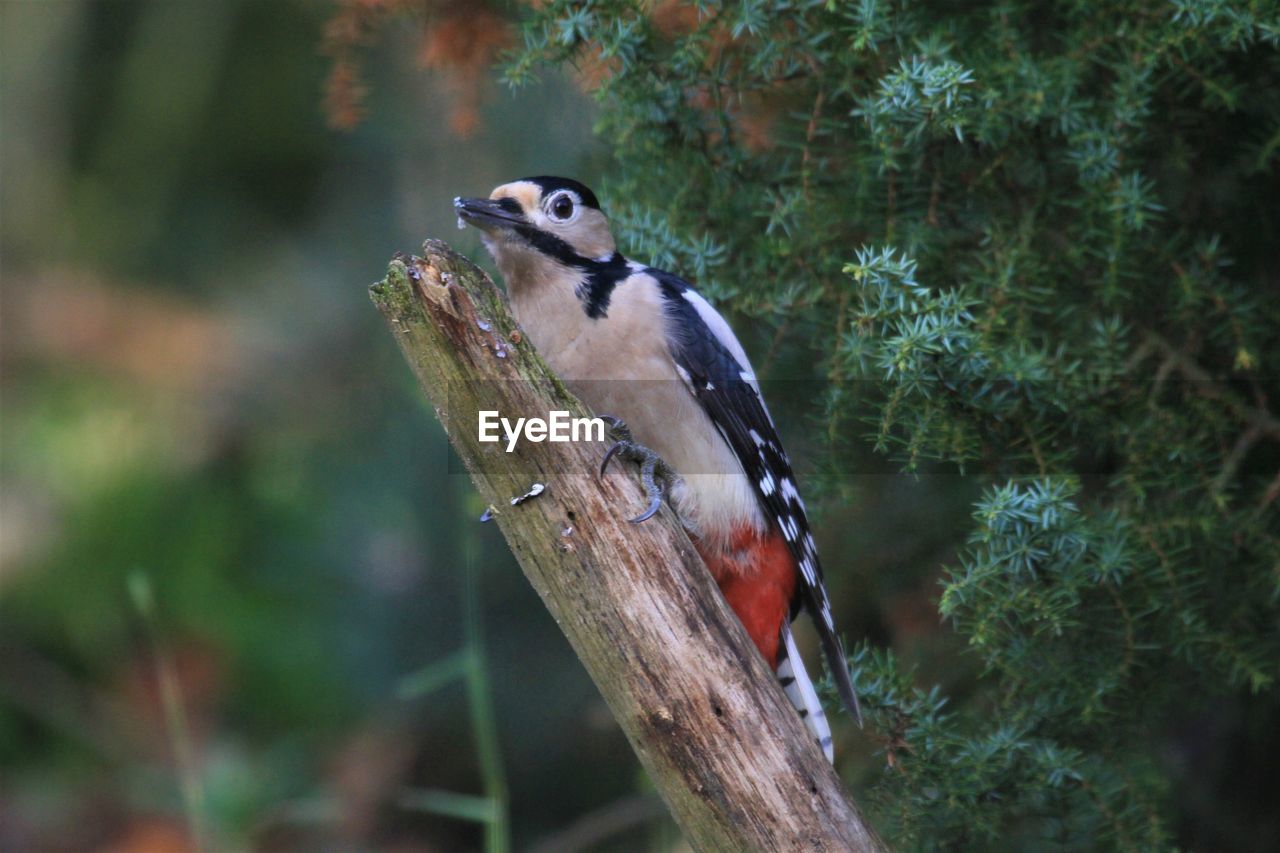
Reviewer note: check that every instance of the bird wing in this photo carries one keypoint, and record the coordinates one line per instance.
(714, 367)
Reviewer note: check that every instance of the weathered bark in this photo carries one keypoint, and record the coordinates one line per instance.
(726, 751)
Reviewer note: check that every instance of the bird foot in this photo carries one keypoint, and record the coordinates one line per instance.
(655, 474)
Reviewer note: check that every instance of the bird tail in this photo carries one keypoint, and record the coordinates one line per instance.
(799, 689)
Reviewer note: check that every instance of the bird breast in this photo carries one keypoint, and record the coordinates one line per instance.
(620, 365)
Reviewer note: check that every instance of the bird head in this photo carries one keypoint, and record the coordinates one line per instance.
(540, 224)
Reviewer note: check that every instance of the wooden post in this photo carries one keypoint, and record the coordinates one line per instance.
(726, 751)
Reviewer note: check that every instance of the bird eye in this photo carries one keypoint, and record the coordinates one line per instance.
(562, 207)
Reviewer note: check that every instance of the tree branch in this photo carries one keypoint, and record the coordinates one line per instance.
(728, 754)
(1204, 383)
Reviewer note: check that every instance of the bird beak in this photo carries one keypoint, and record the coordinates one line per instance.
(486, 213)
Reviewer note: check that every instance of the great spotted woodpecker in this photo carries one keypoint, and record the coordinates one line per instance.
(642, 345)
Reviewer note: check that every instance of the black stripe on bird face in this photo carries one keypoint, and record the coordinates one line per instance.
(506, 213)
(549, 245)
(601, 278)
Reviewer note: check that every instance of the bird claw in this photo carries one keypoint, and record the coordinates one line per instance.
(608, 455)
(655, 474)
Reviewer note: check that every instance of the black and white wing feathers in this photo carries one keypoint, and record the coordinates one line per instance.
(712, 364)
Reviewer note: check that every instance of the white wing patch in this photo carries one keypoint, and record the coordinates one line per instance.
(722, 380)
(806, 569)
(789, 490)
(719, 328)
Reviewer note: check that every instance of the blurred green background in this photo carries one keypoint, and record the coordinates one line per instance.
(200, 405)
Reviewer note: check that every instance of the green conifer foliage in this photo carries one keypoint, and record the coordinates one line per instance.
(1037, 242)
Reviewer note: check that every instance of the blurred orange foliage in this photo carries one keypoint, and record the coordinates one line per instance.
(674, 18)
(353, 25)
(460, 42)
(158, 340)
(152, 835)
